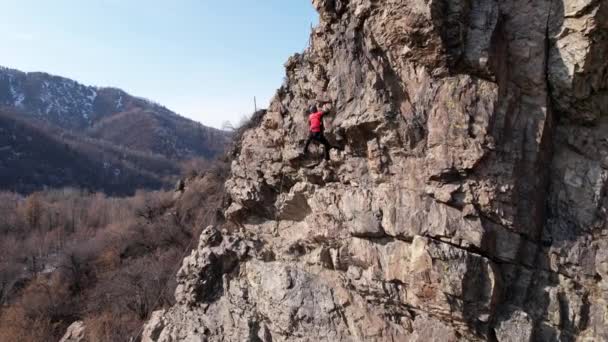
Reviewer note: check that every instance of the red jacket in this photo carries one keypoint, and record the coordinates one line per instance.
(316, 121)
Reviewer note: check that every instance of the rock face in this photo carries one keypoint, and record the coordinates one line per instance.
(469, 202)
(74, 333)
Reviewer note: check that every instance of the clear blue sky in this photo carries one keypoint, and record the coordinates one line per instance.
(203, 59)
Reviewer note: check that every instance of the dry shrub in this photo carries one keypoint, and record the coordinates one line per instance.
(69, 255)
(193, 167)
(199, 206)
(10, 281)
(243, 126)
(41, 313)
(16, 325)
(107, 260)
(110, 326)
(32, 211)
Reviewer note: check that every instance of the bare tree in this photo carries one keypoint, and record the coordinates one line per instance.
(33, 210)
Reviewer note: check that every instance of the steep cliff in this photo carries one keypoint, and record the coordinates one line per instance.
(469, 202)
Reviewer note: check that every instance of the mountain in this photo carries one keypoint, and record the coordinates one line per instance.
(58, 132)
(108, 114)
(34, 156)
(470, 202)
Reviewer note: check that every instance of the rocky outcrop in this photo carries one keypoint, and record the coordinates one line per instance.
(469, 202)
(74, 333)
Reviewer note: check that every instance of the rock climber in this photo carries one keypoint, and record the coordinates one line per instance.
(315, 121)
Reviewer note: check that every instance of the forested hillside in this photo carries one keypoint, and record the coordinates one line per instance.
(35, 155)
(72, 255)
(109, 114)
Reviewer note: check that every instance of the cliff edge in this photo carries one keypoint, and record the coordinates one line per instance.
(469, 202)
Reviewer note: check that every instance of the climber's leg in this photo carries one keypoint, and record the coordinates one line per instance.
(326, 145)
(310, 137)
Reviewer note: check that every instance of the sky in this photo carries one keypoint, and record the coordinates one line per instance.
(205, 60)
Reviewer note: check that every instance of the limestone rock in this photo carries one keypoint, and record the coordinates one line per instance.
(74, 333)
(469, 203)
(517, 327)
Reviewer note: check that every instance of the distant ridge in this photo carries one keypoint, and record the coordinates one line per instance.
(56, 132)
(109, 114)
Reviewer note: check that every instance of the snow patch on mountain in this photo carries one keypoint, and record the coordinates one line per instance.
(93, 95)
(19, 100)
(16, 97)
(64, 100)
(76, 107)
(119, 103)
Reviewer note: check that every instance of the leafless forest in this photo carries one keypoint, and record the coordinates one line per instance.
(73, 255)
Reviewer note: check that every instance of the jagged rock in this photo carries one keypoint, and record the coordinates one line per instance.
(469, 202)
(451, 282)
(577, 59)
(517, 327)
(199, 280)
(74, 333)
